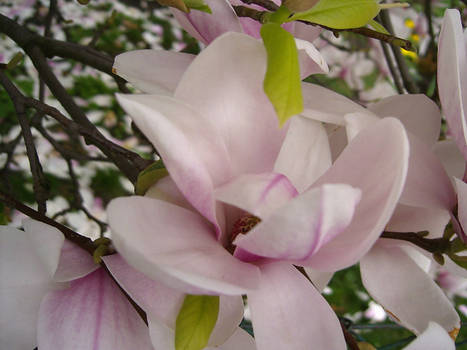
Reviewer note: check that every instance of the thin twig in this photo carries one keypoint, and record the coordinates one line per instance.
(349, 339)
(409, 84)
(260, 16)
(267, 4)
(392, 68)
(41, 188)
(81, 241)
(432, 245)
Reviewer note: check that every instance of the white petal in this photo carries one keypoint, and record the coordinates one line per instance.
(305, 154)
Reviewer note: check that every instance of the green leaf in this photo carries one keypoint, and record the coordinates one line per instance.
(195, 322)
(460, 260)
(282, 81)
(299, 5)
(340, 14)
(150, 176)
(199, 5)
(378, 27)
(280, 16)
(17, 58)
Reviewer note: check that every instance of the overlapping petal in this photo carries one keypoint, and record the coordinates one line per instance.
(258, 194)
(74, 263)
(419, 114)
(152, 71)
(91, 314)
(28, 261)
(162, 304)
(298, 229)
(305, 154)
(206, 27)
(383, 148)
(238, 107)
(405, 290)
(193, 165)
(432, 338)
(281, 321)
(177, 247)
(452, 77)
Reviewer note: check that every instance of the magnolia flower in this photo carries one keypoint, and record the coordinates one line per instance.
(425, 204)
(58, 298)
(452, 86)
(206, 27)
(246, 200)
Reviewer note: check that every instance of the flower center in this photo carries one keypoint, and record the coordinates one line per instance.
(242, 226)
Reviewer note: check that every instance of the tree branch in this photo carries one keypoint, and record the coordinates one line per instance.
(40, 185)
(409, 84)
(259, 16)
(128, 162)
(432, 245)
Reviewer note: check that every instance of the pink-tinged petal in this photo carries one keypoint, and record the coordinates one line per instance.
(28, 261)
(419, 114)
(74, 263)
(240, 110)
(162, 303)
(258, 194)
(200, 159)
(281, 321)
(48, 254)
(356, 122)
(305, 32)
(415, 219)
(206, 27)
(166, 190)
(162, 336)
(298, 229)
(452, 77)
(462, 207)
(427, 184)
(305, 154)
(320, 279)
(231, 311)
(154, 297)
(92, 314)
(432, 338)
(177, 247)
(383, 148)
(395, 281)
(239, 340)
(451, 158)
(152, 71)
(311, 60)
(326, 105)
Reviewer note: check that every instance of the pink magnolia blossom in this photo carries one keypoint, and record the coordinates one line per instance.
(207, 27)
(246, 200)
(425, 204)
(452, 86)
(58, 298)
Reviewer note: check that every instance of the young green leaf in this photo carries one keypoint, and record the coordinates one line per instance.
(199, 5)
(282, 81)
(299, 5)
(149, 177)
(195, 322)
(340, 14)
(378, 27)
